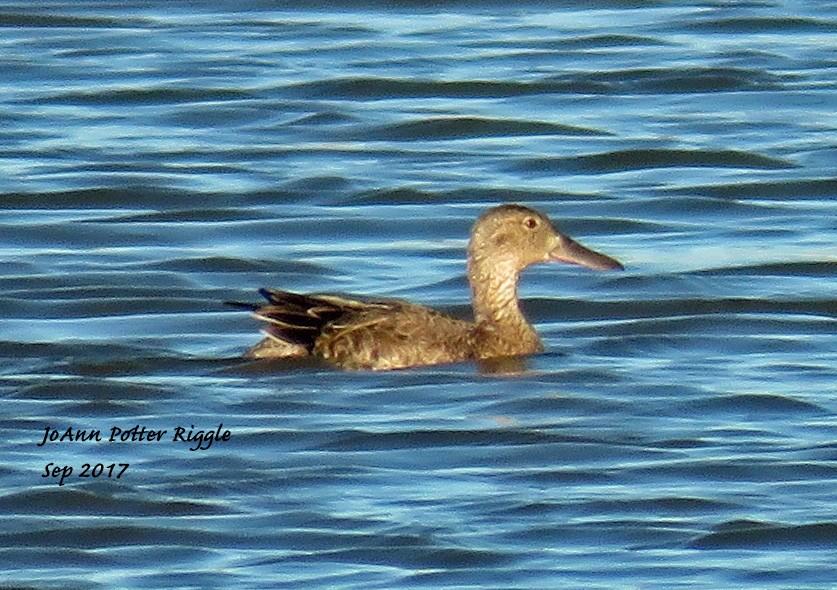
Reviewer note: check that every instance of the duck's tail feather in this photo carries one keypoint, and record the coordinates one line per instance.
(243, 305)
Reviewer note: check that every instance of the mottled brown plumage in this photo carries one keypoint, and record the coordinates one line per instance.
(381, 334)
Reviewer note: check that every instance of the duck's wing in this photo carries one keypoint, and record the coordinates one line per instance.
(395, 335)
(293, 321)
(358, 333)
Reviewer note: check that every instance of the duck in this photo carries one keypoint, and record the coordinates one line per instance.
(383, 334)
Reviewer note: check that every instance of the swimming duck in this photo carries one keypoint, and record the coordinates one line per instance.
(381, 334)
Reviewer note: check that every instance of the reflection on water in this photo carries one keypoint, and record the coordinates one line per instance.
(160, 160)
(514, 366)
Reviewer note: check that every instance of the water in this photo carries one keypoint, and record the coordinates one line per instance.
(680, 430)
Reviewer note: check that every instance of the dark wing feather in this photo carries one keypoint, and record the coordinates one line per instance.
(300, 319)
(286, 299)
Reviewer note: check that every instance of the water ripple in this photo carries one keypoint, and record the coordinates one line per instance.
(639, 159)
(159, 160)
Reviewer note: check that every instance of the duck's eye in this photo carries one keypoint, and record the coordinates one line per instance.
(530, 222)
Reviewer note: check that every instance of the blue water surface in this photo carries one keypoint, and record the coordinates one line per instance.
(158, 159)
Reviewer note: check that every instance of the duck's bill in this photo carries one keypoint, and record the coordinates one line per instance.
(571, 252)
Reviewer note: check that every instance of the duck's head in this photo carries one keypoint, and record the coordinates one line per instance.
(521, 236)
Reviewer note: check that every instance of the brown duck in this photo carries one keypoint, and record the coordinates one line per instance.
(382, 334)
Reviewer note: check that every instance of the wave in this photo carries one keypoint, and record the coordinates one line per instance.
(638, 81)
(445, 128)
(744, 534)
(641, 159)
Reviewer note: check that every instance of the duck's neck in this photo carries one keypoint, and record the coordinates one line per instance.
(494, 293)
